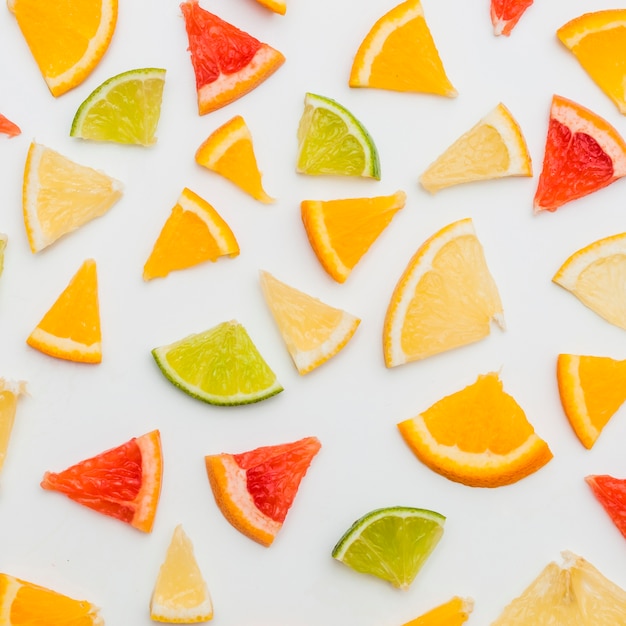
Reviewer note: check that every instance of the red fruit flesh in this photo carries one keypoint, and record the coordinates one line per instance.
(8, 127)
(611, 493)
(505, 14)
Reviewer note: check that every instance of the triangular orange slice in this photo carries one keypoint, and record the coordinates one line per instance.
(71, 328)
(278, 6)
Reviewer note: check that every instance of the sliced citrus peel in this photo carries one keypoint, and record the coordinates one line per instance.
(454, 612)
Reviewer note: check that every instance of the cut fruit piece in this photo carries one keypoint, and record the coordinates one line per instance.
(478, 436)
(123, 109)
(332, 141)
(180, 593)
(255, 489)
(7, 127)
(4, 240)
(229, 151)
(23, 603)
(592, 389)
(454, 612)
(342, 231)
(505, 14)
(312, 330)
(399, 54)
(220, 366)
(278, 6)
(595, 37)
(446, 298)
(123, 482)
(70, 329)
(10, 391)
(192, 234)
(60, 195)
(493, 148)
(68, 39)
(583, 154)
(596, 275)
(611, 494)
(228, 63)
(392, 543)
(572, 593)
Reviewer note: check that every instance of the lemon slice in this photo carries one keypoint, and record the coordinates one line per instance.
(10, 391)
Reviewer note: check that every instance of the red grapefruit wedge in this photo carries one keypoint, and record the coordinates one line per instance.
(505, 14)
(7, 127)
(611, 493)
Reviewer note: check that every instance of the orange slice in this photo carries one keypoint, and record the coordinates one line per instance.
(312, 330)
(123, 482)
(454, 612)
(71, 328)
(68, 39)
(583, 154)
(478, 436)
(399, 54)
(255, 489)
(278, 6)
(8, 127)
(505, 14)
(10, 391)
(229, 152)
(228, 63)
(193, 233)
(342, 231)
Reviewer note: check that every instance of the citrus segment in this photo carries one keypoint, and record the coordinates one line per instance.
(228, 63)
(255, 490)
(8, 127)
(446, 298)
(220, 366)
(492, 148)
(278, 6)
(454, 612)
(611, 494)
(391, 543)
(312, 330)
(505, 14)
(71, 327)
(193, 233)
(399, 54)
(478, 436)
(10, 391)
(583, 154)
(342, 231)
(68, 39)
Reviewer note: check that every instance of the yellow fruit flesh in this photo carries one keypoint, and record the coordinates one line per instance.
(9, 393)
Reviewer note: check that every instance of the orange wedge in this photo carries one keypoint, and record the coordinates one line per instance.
(478, 436)
(342, 231)
(505, 14)
(71, 328)
(454, 612)
(193, 233)
(278, 6)
(399, 54)
(229, 152)
(10, 391)
(312, 330)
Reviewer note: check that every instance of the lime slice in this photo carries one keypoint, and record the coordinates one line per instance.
(219, 366)
(392, 543)
(332, 141)
(123, 109)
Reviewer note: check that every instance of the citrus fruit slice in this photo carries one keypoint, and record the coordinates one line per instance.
(446, 298)
(454, 612)
(312, 330)
(123, 109)
(596, 275)
(342, 231)
(611, 494)
(391, 543)
(399, 54)
(595, 37)
(228, 63)
(10, 391)
(123, 482)
(229, 151)
(23, 603)
(8, 127)
(583, 153)
(505, 14)
(4, 240)
(332, 141)
(193, 233)
(592, 389)
(255, 489)
(478, 436)
(278, 6)
(59, 195)
(180, 593)
(71, 327)
(572, 593)
(492, 148)
(67, 40)
(220, 366)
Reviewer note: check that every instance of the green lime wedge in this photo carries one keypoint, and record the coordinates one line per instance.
(219, 366)
(392, 543)
(332, 141)
(123, 109)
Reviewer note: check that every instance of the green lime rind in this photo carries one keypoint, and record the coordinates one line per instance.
(221, 366)
(124, 109)
(332, 141)
(391, 543)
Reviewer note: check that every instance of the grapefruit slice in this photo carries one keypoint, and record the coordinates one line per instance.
(505, 14)
(611, 493)
(8, 127)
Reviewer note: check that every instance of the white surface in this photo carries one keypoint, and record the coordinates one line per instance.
(495, 541)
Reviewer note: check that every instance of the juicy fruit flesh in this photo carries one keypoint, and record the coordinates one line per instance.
(454, 612)
(505, 14)
(611, 493)
(9, 394)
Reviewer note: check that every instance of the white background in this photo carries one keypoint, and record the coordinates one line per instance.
(495, 541)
